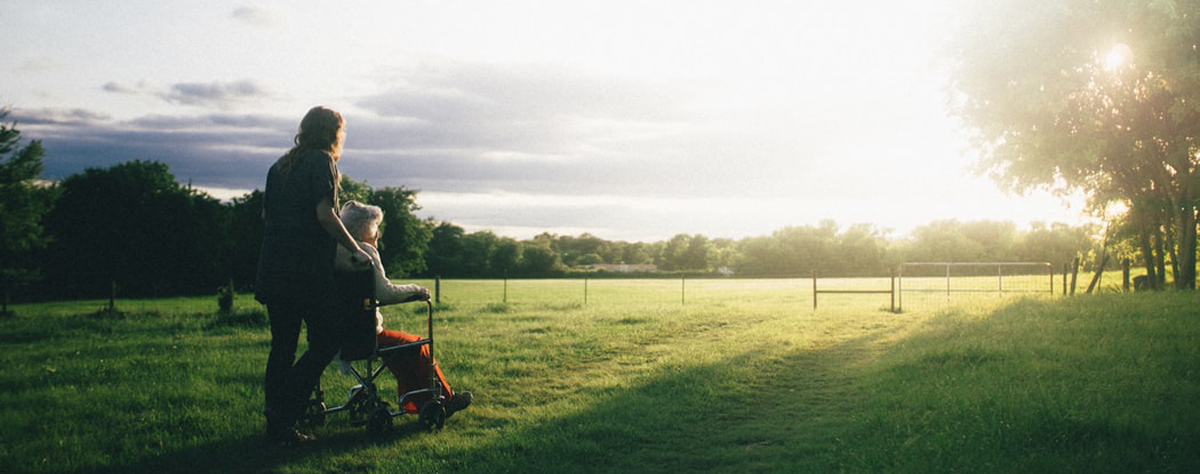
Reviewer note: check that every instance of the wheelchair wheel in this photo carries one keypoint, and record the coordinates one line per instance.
(380, 421)
(432, 415)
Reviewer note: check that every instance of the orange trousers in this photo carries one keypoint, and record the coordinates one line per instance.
(411, 372)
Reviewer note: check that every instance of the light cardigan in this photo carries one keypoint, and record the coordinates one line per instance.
(385, 291)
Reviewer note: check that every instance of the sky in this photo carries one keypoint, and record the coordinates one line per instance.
(628, 120)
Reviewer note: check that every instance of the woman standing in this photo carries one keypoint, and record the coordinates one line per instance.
(295, 267)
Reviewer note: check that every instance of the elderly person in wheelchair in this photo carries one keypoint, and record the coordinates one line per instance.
(412, 373)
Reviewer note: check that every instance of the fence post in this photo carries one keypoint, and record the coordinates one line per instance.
(112, 298)
(437, 289)
(892, 272)
(682, 289)
(1074, 274)
(814, 279)
(1000, 280)
(1065, 273)
(947, 281)
(1050, 266)
(505, 298)
(1125, 275)
(585, 291)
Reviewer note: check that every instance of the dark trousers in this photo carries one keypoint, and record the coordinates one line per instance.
(289, 385)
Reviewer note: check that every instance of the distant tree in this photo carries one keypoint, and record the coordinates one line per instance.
(405, 237)
(23, 203)
(572, 249)
(860, 250)
(589, 259)
(445, 254)
(351, 190)
(1056, 243)
(633, 254)
(722, 253)
(673, 256)
(132, 224)
(696, 255)
(477, 253)
(539, 260)
(944, 241)
(245, 237)
(507, 255)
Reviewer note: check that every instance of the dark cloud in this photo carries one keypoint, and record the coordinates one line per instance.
(119, 88)
(214, 93)
(73, 117)
(228, 151)
(463, 128)
(122, 88)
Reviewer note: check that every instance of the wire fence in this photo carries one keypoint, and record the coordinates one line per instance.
(895, 292)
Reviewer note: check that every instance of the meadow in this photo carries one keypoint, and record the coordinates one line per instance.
(636, 376)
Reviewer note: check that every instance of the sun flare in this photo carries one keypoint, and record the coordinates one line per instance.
(1119, 56)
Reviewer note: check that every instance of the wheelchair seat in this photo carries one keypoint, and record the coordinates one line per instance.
(356, 294)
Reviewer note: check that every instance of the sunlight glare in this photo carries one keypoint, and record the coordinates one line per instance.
(1117, 57)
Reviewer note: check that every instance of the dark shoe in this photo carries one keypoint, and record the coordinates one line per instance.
(286, 436)
(460, 401)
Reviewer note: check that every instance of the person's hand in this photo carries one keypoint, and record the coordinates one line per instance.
(422, 294)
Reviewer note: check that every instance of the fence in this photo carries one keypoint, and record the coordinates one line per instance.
(617, 291)
(944, 279)
(843, 289)
(910, 283)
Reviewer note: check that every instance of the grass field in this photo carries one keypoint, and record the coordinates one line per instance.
(643, 376)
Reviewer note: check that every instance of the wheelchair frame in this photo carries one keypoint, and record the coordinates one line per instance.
(365, 405)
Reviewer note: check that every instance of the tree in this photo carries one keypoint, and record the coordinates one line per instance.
(539, 260)
(1099, 97)
(506, 256)
(477, 253)
(860, 250)
(133, 225)
(405, 237)
(445, 254)
(23, 203)
(673, 256)
(696, 256)
(1057, 243)
(245, 237)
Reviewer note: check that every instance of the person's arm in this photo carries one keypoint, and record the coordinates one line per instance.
(386, 291)
(328, 217)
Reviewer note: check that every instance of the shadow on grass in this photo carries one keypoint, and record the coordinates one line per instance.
(711, 418)
(963, 395)
(255, 454)
(752, 412)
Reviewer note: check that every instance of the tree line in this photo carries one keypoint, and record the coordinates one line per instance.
(133, 225)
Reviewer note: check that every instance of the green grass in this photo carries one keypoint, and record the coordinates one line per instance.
(646, 376)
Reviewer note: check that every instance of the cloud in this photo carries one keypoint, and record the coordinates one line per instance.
(123, 88)
(468, 127)
(40, 64)
(255, 16)
(221, 94)
(57, 117)
(214, 150)
(525, 108)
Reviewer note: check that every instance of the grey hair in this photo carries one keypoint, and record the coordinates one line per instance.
(357, 216)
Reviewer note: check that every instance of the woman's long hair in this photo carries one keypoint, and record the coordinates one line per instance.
(321, 130)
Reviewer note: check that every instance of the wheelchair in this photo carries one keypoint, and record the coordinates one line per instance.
(368, 361)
